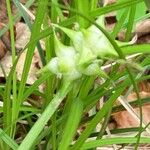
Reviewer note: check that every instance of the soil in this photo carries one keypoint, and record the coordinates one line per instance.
(5, 39)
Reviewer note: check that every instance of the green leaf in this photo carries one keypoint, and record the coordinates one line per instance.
(45, 116)
(147, 2)
(8, 140)
(140, 11)
(72, 124)
(118, 140)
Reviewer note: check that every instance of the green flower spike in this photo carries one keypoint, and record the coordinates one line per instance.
(86, 56)
(64, 64)
(66, 56)
(52, 66)
(94, 69)
(75, 36)
(98, 42)
(67, 60)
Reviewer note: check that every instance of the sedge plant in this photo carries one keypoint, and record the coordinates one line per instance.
(74, 59)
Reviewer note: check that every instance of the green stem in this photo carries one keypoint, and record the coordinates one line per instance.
(93, 4)
(83, 7)
(147, 4)
(12, 36)
(130, 23)
(104, 125)
(49, 44)
(120, 23)
(54, 132)
(72, 124)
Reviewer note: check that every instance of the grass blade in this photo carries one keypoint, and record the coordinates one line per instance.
(72, 124)
(46, 115)
(118, 140)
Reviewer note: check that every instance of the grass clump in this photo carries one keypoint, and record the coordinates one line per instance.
(77, 46)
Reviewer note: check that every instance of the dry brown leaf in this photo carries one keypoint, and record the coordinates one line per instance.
(143, 27)
(108, 2)
(125, 120)
(22, 38)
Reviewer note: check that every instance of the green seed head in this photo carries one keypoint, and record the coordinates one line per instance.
(98, 43)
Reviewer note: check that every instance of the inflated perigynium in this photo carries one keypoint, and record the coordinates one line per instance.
(65, 61)
(84, 56)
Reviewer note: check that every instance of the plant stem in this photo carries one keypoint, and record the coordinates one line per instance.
(12, 37)
(130, 23)
(83, 7)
